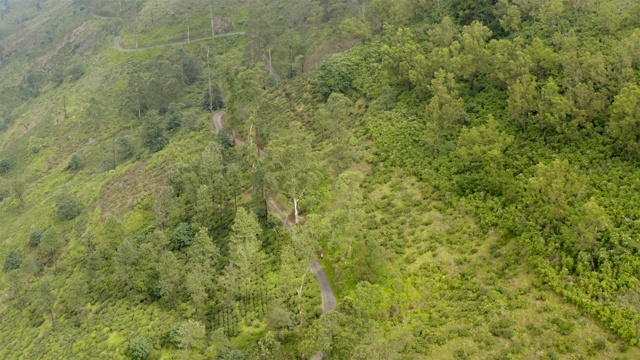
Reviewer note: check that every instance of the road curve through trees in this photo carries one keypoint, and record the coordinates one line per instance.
(328, 298)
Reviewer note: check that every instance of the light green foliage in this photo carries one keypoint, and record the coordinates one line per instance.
(125, 262)
(471, 55)
(445, 110)
(478, 199)
(246, 258)
(44, 299)
(245, 228)
(482, 150)
(292, 168)
(51, 244)
(553, 109)
(170, 277)
(522, 100)
(625, 118)
(399, 55)
(552, 194)
(188, 335)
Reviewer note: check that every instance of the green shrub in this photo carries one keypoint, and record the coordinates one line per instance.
(76, 72)
(140, 348)
(12, 261)
(153, 137)
(75, 163)
(35, 238)
(125, 148)
(502, 329)
(334, 75)
(4, 193)
(183, 235)
(5, 166)
(67, 206)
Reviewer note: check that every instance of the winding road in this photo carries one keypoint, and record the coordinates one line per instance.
(329, 301)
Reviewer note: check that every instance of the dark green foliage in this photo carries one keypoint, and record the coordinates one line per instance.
(478, 167)
(57, 77)
(125, 148)
(67, 206)
(466, 11)
(75, 72)
(35, 238)
(153, 137)
(12, 261)
(334, 75)
(502, 328)
(75, 163)
(30, 86)
(140, 348)
(212, 103)
(225, 140)
(191, 68)
(234, 354)
(183, 235)
(5, 166)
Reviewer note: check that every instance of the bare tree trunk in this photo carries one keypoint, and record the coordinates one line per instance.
(299, 292)
(295, 209)
(138, 99)
(129, 296)
(209, 75)
(213, 33)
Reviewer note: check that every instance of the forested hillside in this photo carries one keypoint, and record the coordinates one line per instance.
(175, 175)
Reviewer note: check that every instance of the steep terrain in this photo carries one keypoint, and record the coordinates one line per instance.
(461, 176)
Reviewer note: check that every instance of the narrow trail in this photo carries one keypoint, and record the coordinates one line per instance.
(120, 48)
(272, 71)
(329, 301)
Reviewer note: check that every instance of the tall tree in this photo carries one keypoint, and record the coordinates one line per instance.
(625, 118)
(521, 105)
(169, 269)
(292, 167)
(125, 261)
(197, 282)
(444, 112)
(44, 298)
(245, 256)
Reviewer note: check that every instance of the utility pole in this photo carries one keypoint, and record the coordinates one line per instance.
(213, 33)
(210, 88)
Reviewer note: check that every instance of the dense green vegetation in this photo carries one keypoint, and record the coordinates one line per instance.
(464, 171)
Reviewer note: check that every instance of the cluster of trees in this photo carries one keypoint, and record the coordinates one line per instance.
(522, 113)
(525, 119)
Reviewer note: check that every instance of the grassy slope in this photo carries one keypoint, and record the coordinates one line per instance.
(123, 192)
(453, 282)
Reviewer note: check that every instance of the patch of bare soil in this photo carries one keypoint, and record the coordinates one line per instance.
(120, 196)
